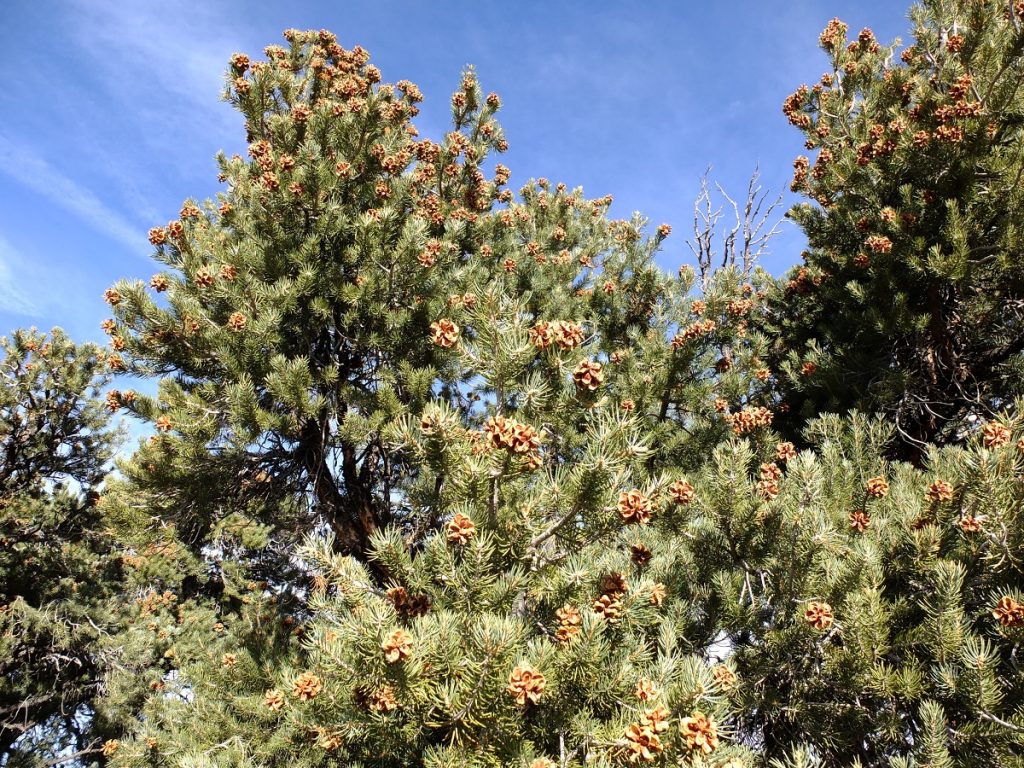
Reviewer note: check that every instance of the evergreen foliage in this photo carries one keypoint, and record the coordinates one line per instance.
(444, 475)
(352, 275)
(391, 350)
(58, 567)
(909, 301)
(868, 604)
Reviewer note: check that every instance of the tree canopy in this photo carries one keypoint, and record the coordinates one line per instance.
(443, 474)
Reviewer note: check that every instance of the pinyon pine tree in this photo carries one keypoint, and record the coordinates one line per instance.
(325, 296)
(872, 610)
(58, 567)
(822, 608)
(448, 476)
(488, 402)
(910, 300)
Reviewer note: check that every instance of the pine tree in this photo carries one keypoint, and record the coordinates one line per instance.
(544, 519)
(547, 615)
(509, 636)
(871, 609)
(58, 567)
(910, 300)
(595, 613)
(491, 401)
(351, 275)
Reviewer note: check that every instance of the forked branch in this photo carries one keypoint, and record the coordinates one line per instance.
(754, 224)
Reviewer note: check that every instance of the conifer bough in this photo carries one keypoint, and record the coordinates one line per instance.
(910, 300)
(350, 274)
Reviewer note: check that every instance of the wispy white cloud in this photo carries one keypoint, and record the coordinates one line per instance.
(163, 65)
(28, 168)
(14, 289)
(146, 103)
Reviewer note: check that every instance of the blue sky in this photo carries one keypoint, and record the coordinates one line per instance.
(111, 111)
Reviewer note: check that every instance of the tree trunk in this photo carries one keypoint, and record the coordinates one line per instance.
(351, 513)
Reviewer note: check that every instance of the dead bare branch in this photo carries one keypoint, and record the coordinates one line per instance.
(755, 223)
